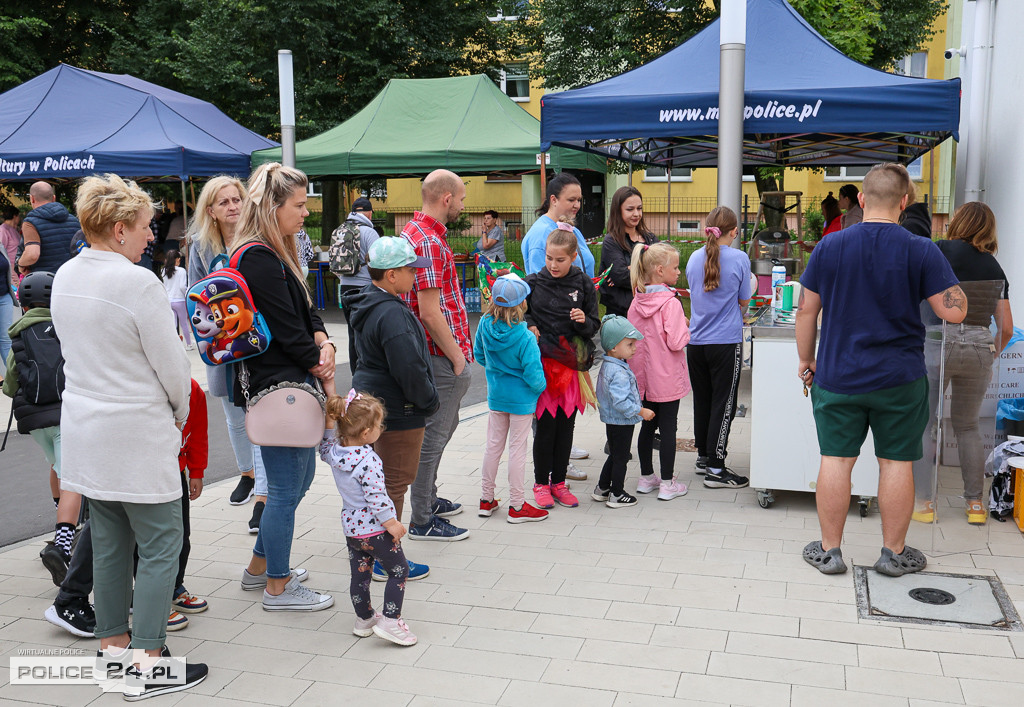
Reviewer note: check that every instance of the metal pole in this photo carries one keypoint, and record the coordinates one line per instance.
(732, 56)
(286, 86)
(975, 139)
(184, 207)
(668, 188)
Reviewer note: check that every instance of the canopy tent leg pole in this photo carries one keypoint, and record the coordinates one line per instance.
(543, 181)
(184, 204)
(668, 189)
(732, 56)
(630, 182)
(931, 180)
(192, 191)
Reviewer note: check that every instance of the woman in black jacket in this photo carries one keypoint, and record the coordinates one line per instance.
(626, 228)
(299, 348)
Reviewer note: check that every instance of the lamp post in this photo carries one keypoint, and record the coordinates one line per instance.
(286, 86)
(732, 54)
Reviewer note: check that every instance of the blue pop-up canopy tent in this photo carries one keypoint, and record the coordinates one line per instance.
(70, 122)
(806, 104)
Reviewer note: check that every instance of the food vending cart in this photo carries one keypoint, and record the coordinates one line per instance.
(783, 440)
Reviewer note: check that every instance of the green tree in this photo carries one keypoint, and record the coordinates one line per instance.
(225, 51)
(78, 32)
(14, 32)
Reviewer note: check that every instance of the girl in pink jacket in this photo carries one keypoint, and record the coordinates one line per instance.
(660, 361)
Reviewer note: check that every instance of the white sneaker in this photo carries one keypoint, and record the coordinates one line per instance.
(574, 474)
(671, 489)
(295, 597)
(578, 453)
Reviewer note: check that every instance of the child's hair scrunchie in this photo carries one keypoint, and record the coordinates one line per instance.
(352, 395)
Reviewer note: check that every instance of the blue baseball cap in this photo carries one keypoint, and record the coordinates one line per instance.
(509, 291)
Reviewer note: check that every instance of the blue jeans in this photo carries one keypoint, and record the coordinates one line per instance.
(6, 317)
(289, 475)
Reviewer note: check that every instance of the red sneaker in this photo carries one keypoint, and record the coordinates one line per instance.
(564, 496)
(526, 514)
(487, 507)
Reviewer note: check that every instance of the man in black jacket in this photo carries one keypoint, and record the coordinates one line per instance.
(388, 350)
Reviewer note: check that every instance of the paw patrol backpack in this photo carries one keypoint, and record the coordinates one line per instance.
(224, 319)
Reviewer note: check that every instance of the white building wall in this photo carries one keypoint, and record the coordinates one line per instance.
(1003, 170)
(1004, 165)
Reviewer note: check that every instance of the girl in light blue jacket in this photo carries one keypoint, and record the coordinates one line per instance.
(509, 353)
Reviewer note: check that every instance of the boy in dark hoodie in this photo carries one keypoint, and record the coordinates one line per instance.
(389, 354)
(35, 382)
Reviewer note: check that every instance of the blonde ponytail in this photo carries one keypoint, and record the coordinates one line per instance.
(645, 259)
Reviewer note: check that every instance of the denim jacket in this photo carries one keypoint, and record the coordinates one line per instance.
(617, 393)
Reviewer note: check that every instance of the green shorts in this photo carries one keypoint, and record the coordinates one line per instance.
(897, 418)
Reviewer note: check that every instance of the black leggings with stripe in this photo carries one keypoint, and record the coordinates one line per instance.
(715, 380)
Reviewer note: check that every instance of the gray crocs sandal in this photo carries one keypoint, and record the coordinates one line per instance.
(910, 560)
(830, 562)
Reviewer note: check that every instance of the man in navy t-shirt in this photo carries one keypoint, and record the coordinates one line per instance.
(868, 282)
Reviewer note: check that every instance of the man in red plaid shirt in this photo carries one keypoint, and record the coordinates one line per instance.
(436, 299)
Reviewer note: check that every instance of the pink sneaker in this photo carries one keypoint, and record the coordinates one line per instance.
(364, 627)
(671, 489)
(646, 484)
(564, 496)
(394, 630)
(542, 495)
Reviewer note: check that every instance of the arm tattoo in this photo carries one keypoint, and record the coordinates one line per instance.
(954, 298)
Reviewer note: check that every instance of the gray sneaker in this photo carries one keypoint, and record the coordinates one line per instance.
(295, 597)
(252, 582)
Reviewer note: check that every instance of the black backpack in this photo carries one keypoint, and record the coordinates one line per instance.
(41, 374)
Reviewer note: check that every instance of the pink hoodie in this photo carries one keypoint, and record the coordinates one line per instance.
(660, 359)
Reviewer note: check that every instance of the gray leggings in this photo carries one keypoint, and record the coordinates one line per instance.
(969, 354)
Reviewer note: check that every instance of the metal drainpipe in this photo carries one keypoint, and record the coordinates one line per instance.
(979, 58)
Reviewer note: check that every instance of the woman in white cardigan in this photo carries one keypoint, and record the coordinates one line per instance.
(125, 399)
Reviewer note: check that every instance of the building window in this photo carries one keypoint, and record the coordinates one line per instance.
(915, 64)
(515, 82)
(685, 226)
(856, 174)
(657, 174)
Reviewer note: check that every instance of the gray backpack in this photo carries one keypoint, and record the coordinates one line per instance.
(345, 255)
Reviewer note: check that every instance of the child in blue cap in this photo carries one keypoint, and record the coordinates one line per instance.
(509, 353)
(619, 400)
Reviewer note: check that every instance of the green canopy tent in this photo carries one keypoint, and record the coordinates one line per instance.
(413, 126)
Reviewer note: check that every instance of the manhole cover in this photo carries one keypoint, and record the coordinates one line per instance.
(937, 598)
(930, 595)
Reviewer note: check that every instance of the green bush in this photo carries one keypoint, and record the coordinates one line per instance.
(814, 223)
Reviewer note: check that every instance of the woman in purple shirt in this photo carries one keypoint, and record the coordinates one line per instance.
(719, 280)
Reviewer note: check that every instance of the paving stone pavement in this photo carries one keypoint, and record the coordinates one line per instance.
(702, 600)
